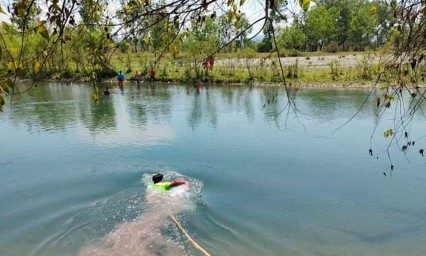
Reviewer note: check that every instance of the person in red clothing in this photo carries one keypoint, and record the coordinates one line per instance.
(138, 77)
(152, 74)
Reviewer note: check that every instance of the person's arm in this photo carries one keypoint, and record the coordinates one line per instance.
(178, 183)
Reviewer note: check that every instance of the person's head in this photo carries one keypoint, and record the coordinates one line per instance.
(120, 72)
(157, 178)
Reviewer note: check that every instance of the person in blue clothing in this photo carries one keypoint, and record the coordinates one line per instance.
(160, 185)
(120, 78)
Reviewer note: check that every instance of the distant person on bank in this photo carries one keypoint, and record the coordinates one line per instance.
(120, 78)
(138, 77)
(152, 74)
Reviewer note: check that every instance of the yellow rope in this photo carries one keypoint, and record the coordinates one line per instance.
(196, 245)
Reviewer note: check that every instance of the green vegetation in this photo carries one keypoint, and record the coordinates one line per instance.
(247, 66)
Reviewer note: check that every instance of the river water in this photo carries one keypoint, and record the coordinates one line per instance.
(75, 174)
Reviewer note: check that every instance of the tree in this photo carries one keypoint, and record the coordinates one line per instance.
(24, 14)
(228, 30)
(363, 25)
(320, 25)
(292, 38)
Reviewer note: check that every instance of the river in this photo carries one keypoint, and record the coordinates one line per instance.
(75, 174)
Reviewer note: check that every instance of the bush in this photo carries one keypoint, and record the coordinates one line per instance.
(332, 47)
(124, 47)
(107, 73)
(265, 45)
(67, 74)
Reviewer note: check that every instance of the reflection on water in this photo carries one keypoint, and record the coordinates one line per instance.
(70, 173)
(57, 107)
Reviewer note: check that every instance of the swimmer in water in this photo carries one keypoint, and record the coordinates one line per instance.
(159, 184)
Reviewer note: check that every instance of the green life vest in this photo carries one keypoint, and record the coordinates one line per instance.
(162, 185)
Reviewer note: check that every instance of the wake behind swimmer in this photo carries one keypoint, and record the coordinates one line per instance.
(153, 232)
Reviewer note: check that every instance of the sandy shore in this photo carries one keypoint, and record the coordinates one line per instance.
(345, 60)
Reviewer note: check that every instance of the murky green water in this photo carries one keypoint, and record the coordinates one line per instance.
(73, 173)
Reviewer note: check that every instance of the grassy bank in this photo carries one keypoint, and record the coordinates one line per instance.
(246, 67)
(252, 68)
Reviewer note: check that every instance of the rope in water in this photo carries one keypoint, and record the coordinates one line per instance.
(196, 245)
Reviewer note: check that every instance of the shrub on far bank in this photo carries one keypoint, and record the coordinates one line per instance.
(332, 47)
(106, 73)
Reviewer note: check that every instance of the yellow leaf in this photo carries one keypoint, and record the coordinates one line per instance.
(41, 29)
(304, 4)
(13, 50)
(146, 39)
(373, 10)
(95, 97)
(11, 66)
(388, 133)
(230, 15)
(98, 67)
(45, 53)
(37, 67)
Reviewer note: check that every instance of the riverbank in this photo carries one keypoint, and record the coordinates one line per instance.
(336, 70)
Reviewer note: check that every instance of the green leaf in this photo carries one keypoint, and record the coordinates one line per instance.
(20, 9)
(9, 83)
(1, 102)
(237, 25)
(235, 7)
(242, 2)
(57, 8)
(5, 88)
(6, 27)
